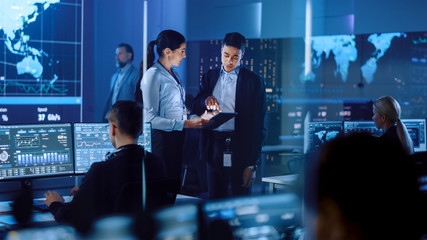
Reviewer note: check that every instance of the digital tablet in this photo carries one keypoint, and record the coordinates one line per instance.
(219, 119)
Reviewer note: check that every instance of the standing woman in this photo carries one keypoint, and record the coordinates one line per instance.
(387, 117)
(164, 97)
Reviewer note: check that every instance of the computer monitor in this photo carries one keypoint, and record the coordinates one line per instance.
(417, 131)
(306, 143)
(178, 222)
(319, 133)
(257, 217)
(92, 144)
(38, 150)
(420, 160)
(145, 138)
(368, 127)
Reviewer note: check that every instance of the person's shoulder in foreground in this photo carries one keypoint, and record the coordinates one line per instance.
(365, 188)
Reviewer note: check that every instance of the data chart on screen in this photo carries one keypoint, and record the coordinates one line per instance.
(29, 151)
(91, 144)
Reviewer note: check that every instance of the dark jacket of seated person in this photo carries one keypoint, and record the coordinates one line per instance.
(115, 185)
(100, 191)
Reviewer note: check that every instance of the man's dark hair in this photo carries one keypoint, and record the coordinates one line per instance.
(128, 117)
(128, 49)
(236, 40)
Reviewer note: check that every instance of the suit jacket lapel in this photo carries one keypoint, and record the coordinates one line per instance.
(238, 89)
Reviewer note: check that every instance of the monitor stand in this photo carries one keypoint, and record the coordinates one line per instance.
(27, 188)
(22, 208)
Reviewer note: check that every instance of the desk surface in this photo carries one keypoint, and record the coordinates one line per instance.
(6, 217)
(289, 179)
(281, 149)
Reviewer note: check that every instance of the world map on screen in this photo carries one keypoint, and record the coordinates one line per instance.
(42, 50)
(382, 43)
(15, 15)
(344, 48)
(325, 136)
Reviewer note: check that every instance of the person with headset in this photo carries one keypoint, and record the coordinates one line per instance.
(100, 190)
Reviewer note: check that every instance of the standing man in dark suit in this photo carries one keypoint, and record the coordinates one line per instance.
(123, 82)
(232, 149)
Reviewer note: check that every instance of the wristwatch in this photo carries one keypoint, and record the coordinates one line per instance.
(253, 168)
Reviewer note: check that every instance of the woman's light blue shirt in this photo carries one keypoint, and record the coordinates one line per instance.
(163, 99)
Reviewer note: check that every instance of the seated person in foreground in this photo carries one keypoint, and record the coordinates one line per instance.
(365, 188)
(101, 190)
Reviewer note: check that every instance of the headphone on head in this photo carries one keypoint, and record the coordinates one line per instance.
(109, 155)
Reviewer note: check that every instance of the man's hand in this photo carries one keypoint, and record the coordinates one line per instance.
(212, 104)
(74, 190)
(197, 122)
(248, 177)
(208, 115)
(52, 196)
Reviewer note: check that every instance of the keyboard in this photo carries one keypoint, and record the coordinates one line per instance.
(39, 206)
(42, 207)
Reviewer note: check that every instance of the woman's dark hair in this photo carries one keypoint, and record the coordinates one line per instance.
(166, 39)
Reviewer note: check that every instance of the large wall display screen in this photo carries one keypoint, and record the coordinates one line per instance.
(40, 61)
